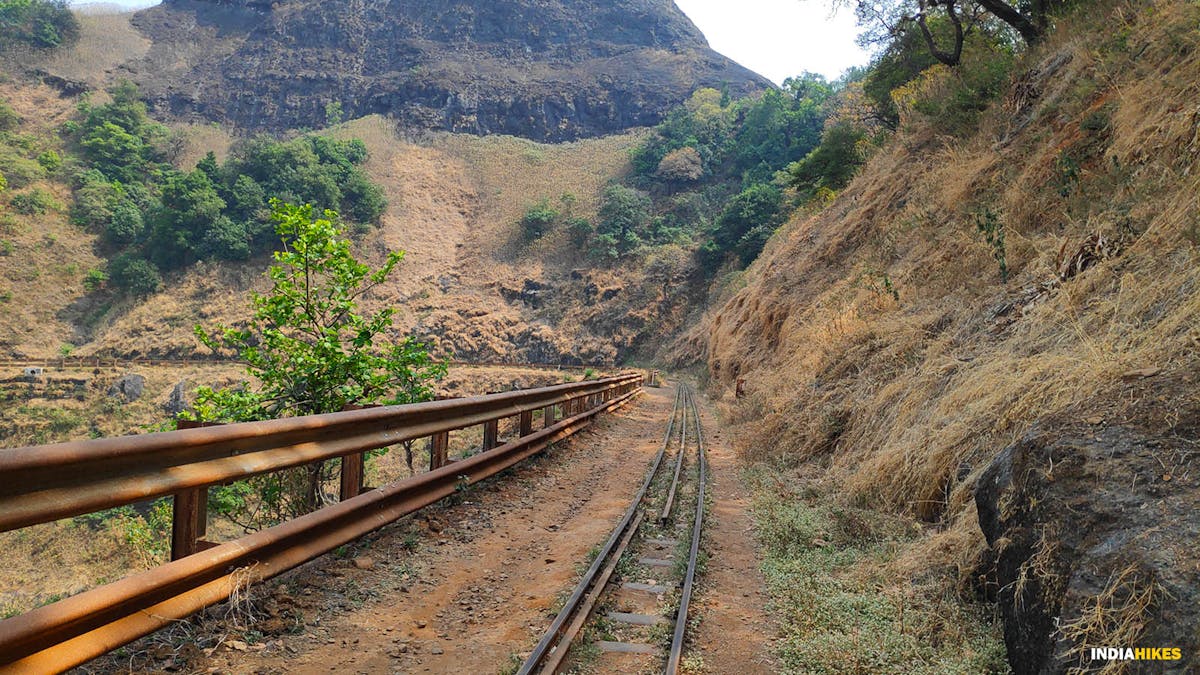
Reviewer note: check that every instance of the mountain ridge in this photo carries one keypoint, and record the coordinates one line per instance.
(548, 70)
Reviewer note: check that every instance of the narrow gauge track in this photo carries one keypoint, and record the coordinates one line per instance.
(626, 601)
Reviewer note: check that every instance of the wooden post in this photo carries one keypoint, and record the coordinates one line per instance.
(526, 427)
(352, 476)
(439, 445)
(189, 521)
(548, 416)
(491, 429)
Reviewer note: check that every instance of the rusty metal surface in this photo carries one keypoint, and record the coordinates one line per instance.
(44, 483)
(550, 650)
(72, 631)
(685, 596)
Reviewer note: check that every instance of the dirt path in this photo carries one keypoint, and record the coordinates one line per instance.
(480, 584)
(735, 631)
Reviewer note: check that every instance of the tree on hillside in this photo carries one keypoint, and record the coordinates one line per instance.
(308, 351)
(37, 23)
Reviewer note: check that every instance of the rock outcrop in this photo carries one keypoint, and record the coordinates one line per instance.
(542, 69)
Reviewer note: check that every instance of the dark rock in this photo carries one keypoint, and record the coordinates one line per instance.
(177, 400)
(543, 69)
(130, 387)
(1073, 513)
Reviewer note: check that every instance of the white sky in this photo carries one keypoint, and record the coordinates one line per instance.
(775, 38)
(779, 38)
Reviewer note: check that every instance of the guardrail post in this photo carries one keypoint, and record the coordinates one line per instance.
(491, 429)
(189, 521)
(526, 427)
(439, 445)
(352, 476)
(548, 416)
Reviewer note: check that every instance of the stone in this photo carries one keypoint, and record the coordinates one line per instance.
(177, 400)
(130, 387)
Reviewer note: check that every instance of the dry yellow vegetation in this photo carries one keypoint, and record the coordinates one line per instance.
(1082, 368)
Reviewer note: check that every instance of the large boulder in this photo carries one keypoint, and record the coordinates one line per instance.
(1094, 542)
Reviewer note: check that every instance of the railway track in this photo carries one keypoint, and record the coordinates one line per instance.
(629, 611)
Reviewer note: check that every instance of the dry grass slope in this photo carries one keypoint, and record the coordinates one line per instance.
(904, 404)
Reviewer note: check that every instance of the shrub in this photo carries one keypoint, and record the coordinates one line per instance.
(3, 183)
(136, 276)
(538, 219)
(341, 357)
(9, 119)
(681, 166)
(34, 202)
(50, 161)
(832, 164)
(94, 279)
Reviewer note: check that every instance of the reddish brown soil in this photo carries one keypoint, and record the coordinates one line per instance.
(735, 631)
(483, 580)
(470, 587)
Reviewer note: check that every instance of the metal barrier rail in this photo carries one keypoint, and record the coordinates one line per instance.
(74, 630)
(85, 362)
(43, 483)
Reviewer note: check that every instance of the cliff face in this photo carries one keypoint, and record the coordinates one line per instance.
(542, 69)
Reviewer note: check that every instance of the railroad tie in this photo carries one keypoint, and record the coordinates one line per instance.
(662, 543)
(656, 562)
(649, 588)
(637, 619)
(627, 647)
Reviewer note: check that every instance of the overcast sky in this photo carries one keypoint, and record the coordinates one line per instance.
(775, 38)
(779, 38)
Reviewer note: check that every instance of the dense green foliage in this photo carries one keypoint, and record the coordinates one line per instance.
(307, 351)
(147, 209)
(711, 150)
(36, 23)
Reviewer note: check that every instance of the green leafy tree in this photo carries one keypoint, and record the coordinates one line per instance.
(308, 351)
(190, 208)
(833, 163)
(134, 275)
(623, 218)
(126, 224)
(748, 220)
(37, 23)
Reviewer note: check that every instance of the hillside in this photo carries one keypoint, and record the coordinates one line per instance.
(1039, 434)
(542, 70)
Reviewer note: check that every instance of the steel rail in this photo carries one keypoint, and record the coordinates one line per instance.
(74, 630)
(670, 501)
(553, 641)
(43, 483)
(685, 597)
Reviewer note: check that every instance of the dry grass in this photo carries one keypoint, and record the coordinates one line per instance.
(927, 390)
(937, 382)
(197, 140)
(1116, 616)
(106, 41)
(43, 258)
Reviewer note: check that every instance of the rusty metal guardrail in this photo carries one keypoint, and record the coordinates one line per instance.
(39, 484)
(85, 362)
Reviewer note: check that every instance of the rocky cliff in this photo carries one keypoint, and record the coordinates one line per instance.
(543, 69)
